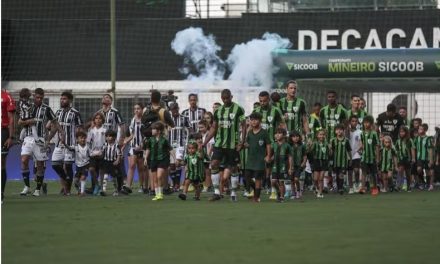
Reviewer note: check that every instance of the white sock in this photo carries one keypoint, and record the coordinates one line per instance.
(104, 182)
(273, 190)
(156, 190)
(325, 182)
(288, 186)
(216, 182)
(234, 182)
(160, 190)
(83, 186)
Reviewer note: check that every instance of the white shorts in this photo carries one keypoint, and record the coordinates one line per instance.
(176, 154)
(63, 154)
(31, 148)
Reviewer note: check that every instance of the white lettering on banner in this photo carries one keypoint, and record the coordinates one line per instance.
(325, 42)
(329, 38)
(373, 41)
(394, 32)
(401, 66)
(418, 37)
(349, 33)
(302, 34)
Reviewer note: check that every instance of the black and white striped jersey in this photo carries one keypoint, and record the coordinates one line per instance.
(178, 134)
(82, 155)
(194, 117)
(69, 119)
(112, 119)
(42, 114)
(25, 109)
(111, 152)
(135, 130)
(96, 138)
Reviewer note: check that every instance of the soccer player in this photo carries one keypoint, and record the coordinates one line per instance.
(355, 144)
(226, 127)
(299, 158)
(314, 122)
(356, 110)
(96, 141)
(8, 130)
(194, 169)
(42, 114)
(63, 155)
(275, 97)
(112, 118)
(294, 110)
(158, 156)
(281, 158)
(216, 106)
(424, 155)
(370, 155)
(178, 137)
(332, 114)
(319, 149)
(207, 153)
(111, 164)
(82, 160)
(403, 112)
(389, 122)
(341, 152)
(406, 155)
(258, 145)
(272, 118)
(388, 162)
(194, 113)
(25, 113)
(135, 153)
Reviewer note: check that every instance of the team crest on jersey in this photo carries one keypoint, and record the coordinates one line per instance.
(336, 116)
(323, 149)
(360, 120)
(394, 121)
(295, 109)
(369, 141)
(310, 125)
(261, 142)
(270, 118)
(194, 161)
(231, 115)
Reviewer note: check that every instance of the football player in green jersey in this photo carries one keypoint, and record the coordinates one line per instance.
(406, 155)
(424, 155)
(194, 169)
(341, 152)
(294, 110)
(332, 115)
(388, 161)
(355, 110)
(299, 157)
(370, 155)
(228, 119)
(282, 162)
(319, 149)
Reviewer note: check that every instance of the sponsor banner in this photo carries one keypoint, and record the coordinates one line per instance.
(374, 63)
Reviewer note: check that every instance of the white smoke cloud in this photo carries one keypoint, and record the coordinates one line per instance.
(199, 52)
(251, 62)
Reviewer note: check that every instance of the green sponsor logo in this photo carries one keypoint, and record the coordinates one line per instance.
(289, 65)
(437, 63)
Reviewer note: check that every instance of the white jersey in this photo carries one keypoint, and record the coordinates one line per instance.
(355, 143)
(96, 140)
(82, 155)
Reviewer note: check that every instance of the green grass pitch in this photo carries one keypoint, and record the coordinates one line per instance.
(390, 228)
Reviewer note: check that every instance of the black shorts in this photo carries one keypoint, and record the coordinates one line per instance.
(424, 164)
(109, 168)
(84, 170)
(269, 165)
(369, 168)
(280, 176)
(137, 153)
(297, 172)
(229, 157)
(256, 174)
(96, 162)
(162, 164)
(5, 136)
(355, 164)
(320, 165)
(406, 164)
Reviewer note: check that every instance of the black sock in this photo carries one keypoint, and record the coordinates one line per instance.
(257, 192)
(39, 179)
(4, 178)
(339, 183)
(69, 176)
(119, 181)
(60, 171)
(26, 177)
